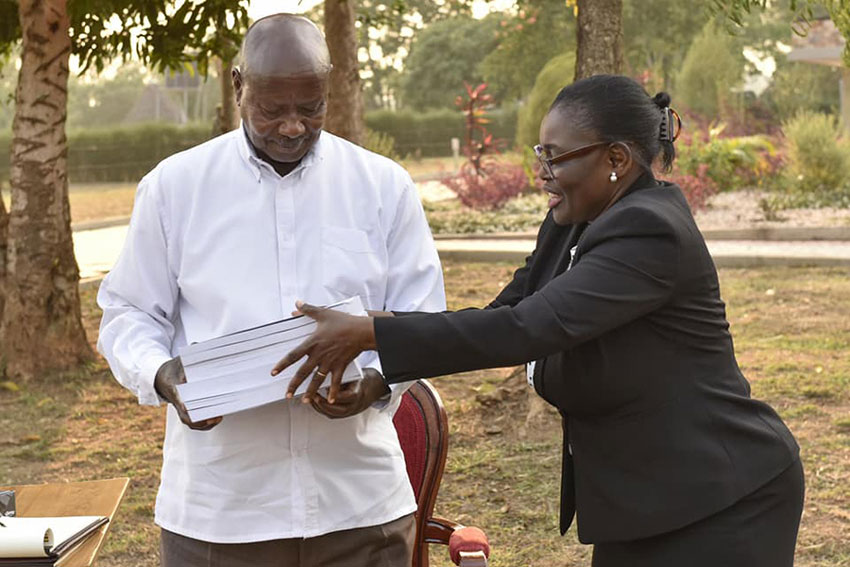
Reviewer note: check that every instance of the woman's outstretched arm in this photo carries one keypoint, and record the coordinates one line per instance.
(627, 270)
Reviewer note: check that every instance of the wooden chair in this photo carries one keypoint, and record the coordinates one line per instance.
(423, 432)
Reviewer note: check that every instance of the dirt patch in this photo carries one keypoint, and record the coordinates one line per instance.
(743, 209)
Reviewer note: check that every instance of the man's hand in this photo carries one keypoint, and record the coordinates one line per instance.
(167, 377)
(338, 339)
(353, 397)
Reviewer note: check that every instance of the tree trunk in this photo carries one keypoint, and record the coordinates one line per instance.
(41, 328)
(345, 101)
(4, 224)
(229, 116)
(600, 37)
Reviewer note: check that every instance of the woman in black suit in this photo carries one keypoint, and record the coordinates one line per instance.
(667, 459)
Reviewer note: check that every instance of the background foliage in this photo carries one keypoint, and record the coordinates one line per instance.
(802, 86)
(538, 31)
(710, 71)
(443, 57)
(429, 133)
(126, 153)
(654, 32)
(164, 36)
(123, 153)
(818, 172)
(556, 74)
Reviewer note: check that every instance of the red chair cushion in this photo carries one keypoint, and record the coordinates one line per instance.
(413, 437)
(467, 539)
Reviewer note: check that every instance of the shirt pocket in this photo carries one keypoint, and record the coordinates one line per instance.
(350, 265)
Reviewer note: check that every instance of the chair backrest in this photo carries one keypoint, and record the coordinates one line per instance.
(423, 432)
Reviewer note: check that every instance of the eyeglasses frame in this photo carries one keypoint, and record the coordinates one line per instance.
(547, 162)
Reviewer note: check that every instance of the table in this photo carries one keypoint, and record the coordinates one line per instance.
(91, 498)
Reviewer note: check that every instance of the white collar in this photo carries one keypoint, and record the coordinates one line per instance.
(249, 155)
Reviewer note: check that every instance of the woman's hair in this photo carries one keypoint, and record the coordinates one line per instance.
(617, 109)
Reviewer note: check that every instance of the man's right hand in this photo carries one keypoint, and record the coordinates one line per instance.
(167, 377)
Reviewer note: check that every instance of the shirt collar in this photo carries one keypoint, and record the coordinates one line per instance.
(256, 164)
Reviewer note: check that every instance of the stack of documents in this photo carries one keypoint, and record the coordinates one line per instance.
(232, 373)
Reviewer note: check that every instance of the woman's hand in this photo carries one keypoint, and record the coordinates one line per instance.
(338, 339)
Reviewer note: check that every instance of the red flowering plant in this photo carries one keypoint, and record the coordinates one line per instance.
(483, 182)
(697, 186)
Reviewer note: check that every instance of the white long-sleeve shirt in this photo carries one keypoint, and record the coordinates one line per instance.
(219, 242)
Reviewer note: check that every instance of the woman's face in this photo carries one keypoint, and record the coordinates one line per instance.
(580, 187)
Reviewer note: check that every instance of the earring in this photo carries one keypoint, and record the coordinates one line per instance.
(613, 177)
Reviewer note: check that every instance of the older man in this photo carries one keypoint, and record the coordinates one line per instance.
(226, 236)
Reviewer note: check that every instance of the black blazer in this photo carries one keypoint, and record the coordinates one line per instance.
(634, 350)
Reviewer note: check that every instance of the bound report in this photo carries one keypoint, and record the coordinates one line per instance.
(43, 541)
(232, 373)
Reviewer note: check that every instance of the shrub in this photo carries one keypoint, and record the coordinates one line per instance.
(554, 76)
(796, 85)
(523, 213)
(495, 185)
(483, 183)
(697, 187)
(818, 160)
(381, 143)
(730, 163)
(710, 71)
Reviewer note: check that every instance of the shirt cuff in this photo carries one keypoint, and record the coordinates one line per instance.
(146, 392)
(390, 402)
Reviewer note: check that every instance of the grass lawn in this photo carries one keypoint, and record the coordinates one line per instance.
(792, 337)
(95, 201)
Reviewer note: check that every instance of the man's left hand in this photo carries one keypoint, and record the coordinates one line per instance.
(353, 397)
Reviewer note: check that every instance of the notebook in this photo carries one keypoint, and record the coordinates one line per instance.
(43, 541)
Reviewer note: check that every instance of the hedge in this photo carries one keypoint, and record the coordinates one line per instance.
(429, 133)
(122, 154)
(126, 153)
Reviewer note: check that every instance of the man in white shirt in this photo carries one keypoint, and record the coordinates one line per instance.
(226, 236)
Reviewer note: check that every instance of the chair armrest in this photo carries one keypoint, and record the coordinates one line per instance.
(469, 543)
(472, 559)
(439, 530)
(468, 546)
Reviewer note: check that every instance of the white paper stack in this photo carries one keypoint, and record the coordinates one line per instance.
(232, 373)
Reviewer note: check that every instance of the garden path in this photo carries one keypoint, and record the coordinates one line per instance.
(97, 250)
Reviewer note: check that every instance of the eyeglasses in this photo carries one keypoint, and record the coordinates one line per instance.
(547, 162)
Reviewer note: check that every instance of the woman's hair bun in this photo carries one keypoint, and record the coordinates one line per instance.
(661, 100)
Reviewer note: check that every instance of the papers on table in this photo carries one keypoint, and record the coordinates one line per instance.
(231, 373)
(44, 537)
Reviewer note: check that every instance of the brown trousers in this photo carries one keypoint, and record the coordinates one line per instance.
(387, 545)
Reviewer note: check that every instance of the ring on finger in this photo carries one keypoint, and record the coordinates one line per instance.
(320, 373)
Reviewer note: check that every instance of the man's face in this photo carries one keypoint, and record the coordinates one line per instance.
(283, 115)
